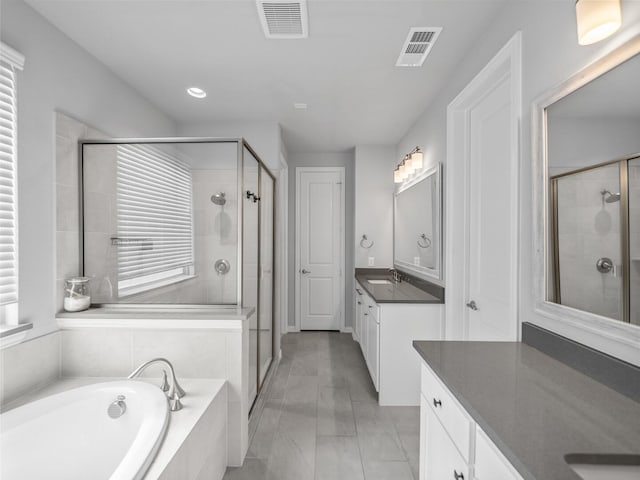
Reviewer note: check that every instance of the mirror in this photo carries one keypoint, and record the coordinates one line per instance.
(587, 204)
(416, 226)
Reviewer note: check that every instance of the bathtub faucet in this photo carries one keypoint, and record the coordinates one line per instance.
(175, 392)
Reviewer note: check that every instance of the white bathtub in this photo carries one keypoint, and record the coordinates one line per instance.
(70, 436)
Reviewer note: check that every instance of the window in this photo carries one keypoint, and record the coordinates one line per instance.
(154, 219)
(10, 61)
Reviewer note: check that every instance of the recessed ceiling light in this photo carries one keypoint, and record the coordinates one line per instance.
(300, 106)
(196, 92)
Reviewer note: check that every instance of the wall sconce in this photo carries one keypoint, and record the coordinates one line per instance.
(597, 19)
(411, 163)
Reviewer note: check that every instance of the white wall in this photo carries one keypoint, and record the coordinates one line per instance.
(329, 159)
(580, 142)
(374, 189)
(551, 54)
(58, 75)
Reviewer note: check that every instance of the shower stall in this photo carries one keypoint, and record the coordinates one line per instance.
(181, 222)
(596, 239)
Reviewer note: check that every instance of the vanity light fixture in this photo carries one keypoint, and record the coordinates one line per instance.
(411, 163)
(597, 19)
(196, 92)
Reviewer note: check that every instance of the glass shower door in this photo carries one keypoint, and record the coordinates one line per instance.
(250, 254)
(265, 320)
(588, 251)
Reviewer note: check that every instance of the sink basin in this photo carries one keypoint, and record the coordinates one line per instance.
(605, 466)
(379, 282)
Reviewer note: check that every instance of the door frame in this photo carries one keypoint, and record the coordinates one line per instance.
(507, 62)
(282, 247)
(342, 299)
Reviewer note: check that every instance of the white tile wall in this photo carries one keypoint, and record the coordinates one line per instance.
(28, 366)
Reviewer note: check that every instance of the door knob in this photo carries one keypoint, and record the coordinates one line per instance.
(472, 305)
(305, 271)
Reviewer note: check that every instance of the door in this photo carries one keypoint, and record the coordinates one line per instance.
(490, 219)
(483, 153)
(320, 246)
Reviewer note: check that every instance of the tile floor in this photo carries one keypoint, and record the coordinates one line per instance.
(321, 419)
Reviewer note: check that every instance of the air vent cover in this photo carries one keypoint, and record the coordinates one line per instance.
(417, 46)
(283, 18)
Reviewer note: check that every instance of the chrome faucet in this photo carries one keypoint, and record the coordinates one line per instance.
(174, 390)
(397, 277)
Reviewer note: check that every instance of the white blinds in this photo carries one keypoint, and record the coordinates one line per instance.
(154, 220)
(9, 62)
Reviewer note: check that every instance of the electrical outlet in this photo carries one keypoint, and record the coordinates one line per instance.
(371, 261)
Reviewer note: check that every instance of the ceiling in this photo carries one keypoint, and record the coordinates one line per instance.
(345, 70)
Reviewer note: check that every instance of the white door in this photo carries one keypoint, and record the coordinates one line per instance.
(482, 198)
(320, 245)
(490, 220)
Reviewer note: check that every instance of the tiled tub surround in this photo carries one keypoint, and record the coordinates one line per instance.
(201, 343)
(533, 408)
(409, 290)
(195, 444)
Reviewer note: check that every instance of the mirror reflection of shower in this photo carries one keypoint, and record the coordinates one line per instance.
(219, 199)
(609, 197)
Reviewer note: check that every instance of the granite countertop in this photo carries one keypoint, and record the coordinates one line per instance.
(534, 408)
(402, 292)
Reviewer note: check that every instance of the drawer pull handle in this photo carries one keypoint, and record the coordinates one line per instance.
(359, 303)
(458, 476)
(437, 403)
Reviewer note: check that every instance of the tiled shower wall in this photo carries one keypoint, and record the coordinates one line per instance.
(588, 230)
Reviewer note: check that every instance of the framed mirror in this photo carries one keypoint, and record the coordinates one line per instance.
(417, 243)
(587, 199)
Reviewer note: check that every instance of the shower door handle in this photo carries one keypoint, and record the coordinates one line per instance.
(305, 271)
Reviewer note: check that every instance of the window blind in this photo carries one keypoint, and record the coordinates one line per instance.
(10, 61)
(154, 218)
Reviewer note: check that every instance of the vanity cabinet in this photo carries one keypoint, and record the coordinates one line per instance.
(451, 444)
(386, 332)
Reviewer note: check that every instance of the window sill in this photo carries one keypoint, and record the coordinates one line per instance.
(11, 335)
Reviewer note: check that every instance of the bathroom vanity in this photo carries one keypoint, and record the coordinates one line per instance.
(388, 317)
(504, 410)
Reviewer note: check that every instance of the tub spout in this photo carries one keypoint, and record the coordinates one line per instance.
(175, 391)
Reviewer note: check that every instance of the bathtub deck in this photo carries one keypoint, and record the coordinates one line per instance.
(195, 444)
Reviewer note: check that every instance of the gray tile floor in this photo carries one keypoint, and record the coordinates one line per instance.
(321, 419)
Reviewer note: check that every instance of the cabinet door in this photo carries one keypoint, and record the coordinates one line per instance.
(373, 353)
(364, 315)
(357, 321)
(439, 458)
(490, 463)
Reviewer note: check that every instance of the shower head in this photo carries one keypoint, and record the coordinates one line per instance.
(610, 197)
(219, 199)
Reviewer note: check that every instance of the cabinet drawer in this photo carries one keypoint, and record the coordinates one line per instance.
(454, 418)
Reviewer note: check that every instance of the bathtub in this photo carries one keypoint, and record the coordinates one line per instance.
(70, 435)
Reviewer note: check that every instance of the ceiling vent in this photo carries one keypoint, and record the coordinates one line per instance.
(417, 46)
(284, 18)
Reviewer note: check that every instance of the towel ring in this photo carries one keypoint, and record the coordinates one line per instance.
(364, 240)
(426, 242)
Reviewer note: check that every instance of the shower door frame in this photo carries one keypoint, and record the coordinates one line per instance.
(241, 145)
(622, 163)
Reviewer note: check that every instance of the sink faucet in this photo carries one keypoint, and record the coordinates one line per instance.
(397, 277)
(175, 391)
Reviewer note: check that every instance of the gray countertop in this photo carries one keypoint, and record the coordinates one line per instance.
(403, 292)
(534, 408)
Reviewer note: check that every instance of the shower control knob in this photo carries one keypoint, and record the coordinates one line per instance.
(604, 265)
